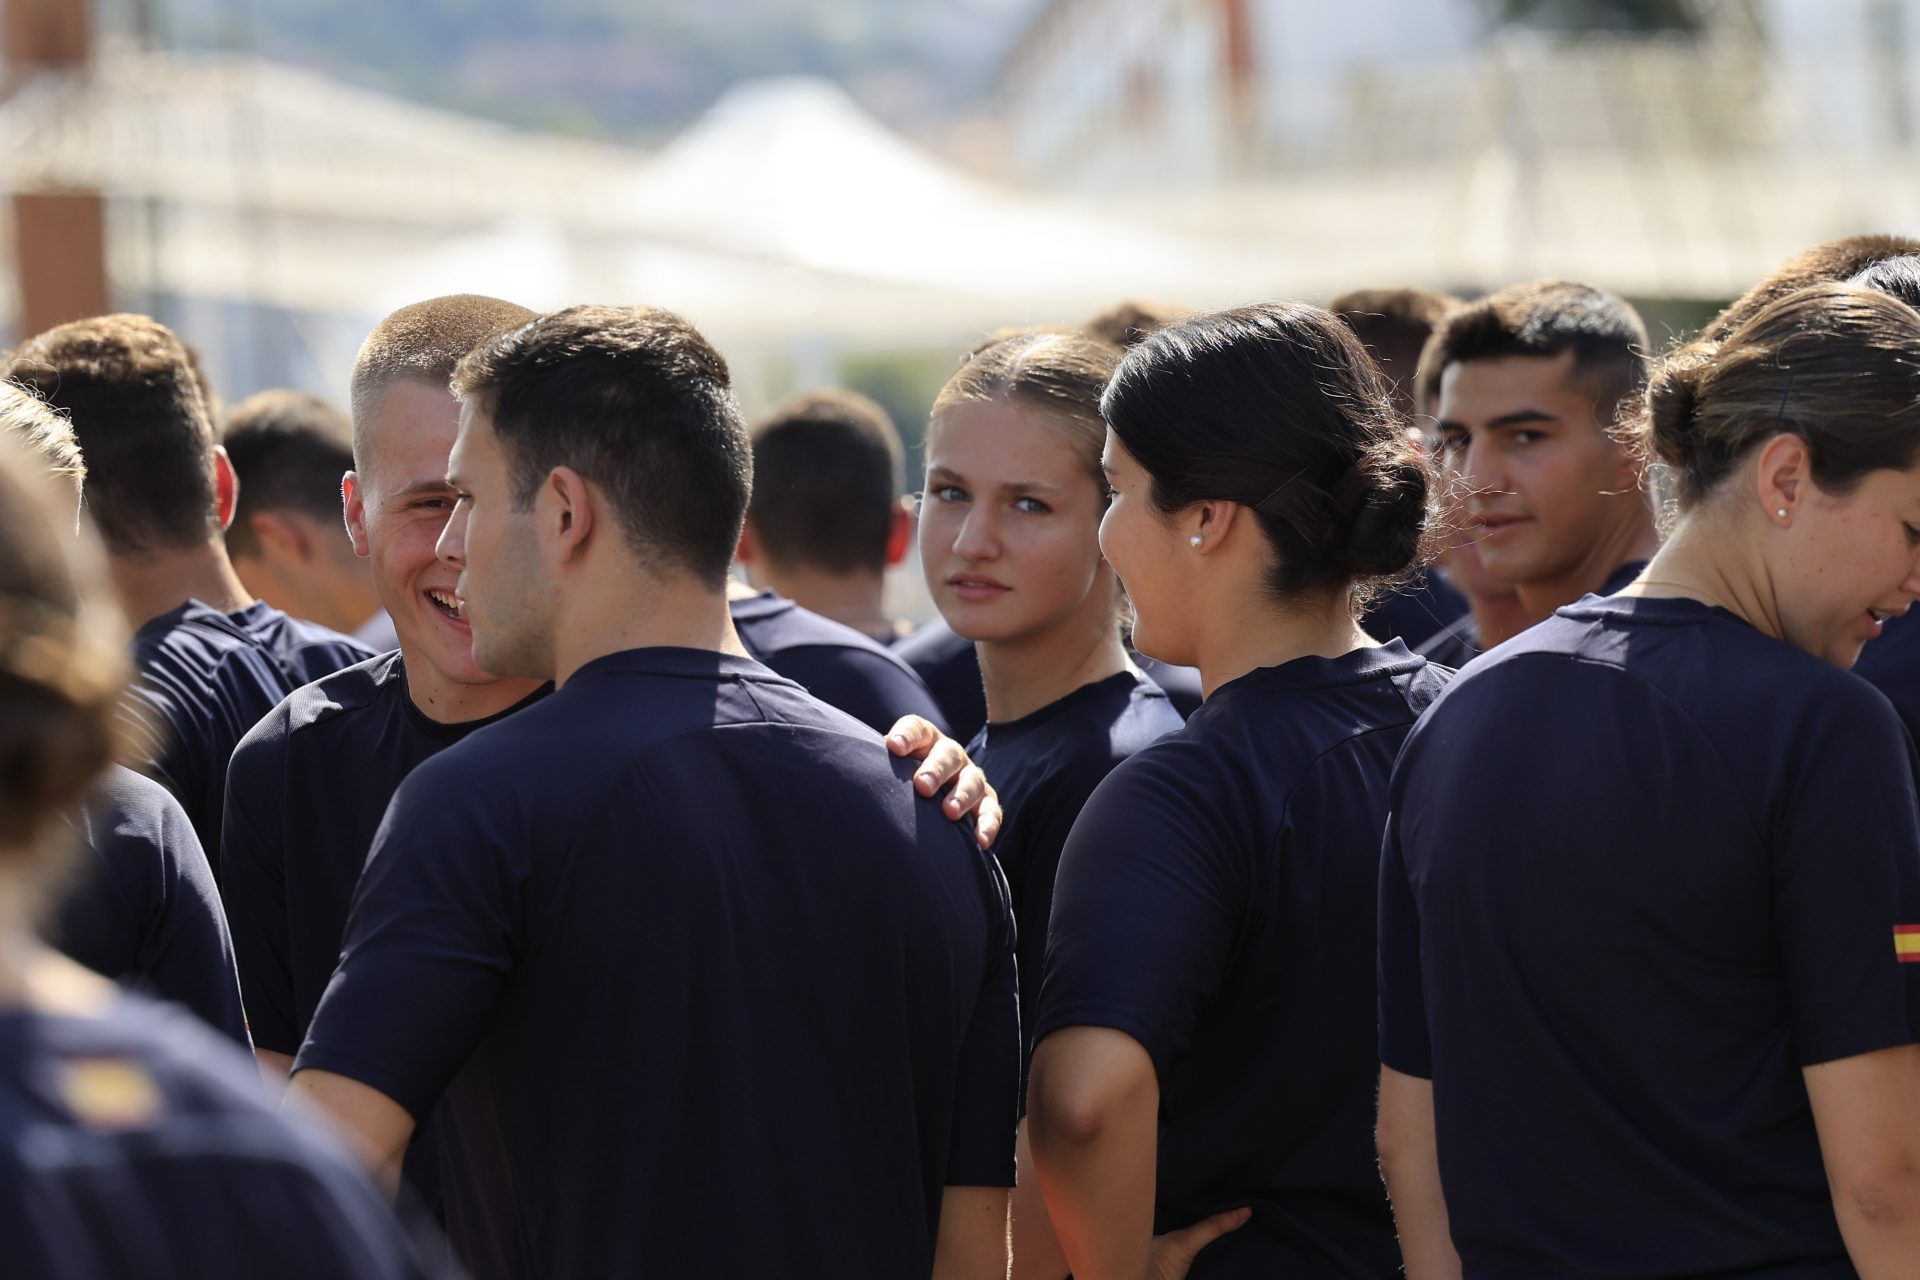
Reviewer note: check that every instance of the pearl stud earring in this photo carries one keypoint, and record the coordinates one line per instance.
(1196, 540)
(1782, 513)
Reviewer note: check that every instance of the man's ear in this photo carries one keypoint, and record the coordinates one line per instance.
(899, 531)
(226, 486)
(564, 509)
(353, 505)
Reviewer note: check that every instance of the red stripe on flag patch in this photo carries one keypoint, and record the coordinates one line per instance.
(1906, 943)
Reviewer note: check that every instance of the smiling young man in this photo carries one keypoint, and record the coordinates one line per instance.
(1528, 384)
(707, 991)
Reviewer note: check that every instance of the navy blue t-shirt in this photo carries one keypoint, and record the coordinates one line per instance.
(1458, 643)
(138, 1143)
(707, 988)
(202, 678)
(143, 909)
(1891, 663)
(834, 663)
(947, 664)
(306, 790)
(1644, 865)
(1044, 766)
(1216, 903)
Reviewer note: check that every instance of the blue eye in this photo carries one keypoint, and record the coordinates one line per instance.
(948, 493)
(1913, 535)
(1032, 506)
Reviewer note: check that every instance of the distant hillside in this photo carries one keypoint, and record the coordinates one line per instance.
(616, 68)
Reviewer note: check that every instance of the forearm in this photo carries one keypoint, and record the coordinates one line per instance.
(1097, 1171)
(1881, 1226)
(1036, 1250)
(1410, 1163)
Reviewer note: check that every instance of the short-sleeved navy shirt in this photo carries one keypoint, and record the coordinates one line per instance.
(202, 678)
(947, 664)
(143, 909)
(708, 989)
(1458, 643)
(1044, 766)
(1216, 903)
(1644, 865)
(306, 790)
(1891, 664)
(834, 663)
(138, 1143)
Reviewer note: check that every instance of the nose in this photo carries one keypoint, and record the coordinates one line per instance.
(1478, 468)
(978, 537)
(452, 545)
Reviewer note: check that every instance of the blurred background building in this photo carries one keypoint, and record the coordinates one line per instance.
(854, 190)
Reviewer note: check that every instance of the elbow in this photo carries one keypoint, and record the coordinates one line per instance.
(1882, 1198)
(1071, 1115)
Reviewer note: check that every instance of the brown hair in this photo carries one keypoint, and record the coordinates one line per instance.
(1828, 263)
(30, 424)
(1394, 325)
(1543, 318)
(1060, 373)
(635, 400)
(289, 450)
(423, 340)
(1278, 408)
(1833, 364)
(133, 400)
(1125, 324)
(829, 464)
(63, 661)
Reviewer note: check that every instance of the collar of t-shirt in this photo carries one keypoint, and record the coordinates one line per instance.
(1313, 672)
(764, 605)
(1119, 682)
(1620, 578)
(448, 734)
(669, 660)
(1665, 611)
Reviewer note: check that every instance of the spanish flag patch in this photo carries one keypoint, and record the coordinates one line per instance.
(1906, 943)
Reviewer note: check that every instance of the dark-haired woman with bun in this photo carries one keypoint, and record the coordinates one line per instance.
(133, 1140)
(1205, 1039)
(1650, 894)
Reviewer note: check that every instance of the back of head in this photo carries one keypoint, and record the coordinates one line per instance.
(637, 402)
(1126, 324)
(1543, 318)
(1394, 325)
(1058, 373)
(424, 341)
(289, 450)
(828, 464)
(63, 656)
(133, 398)
(1828, 263)
(1279, 408)
(1832, 363)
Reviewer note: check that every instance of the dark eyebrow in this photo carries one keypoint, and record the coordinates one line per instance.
(1521, 416)
(419, 487)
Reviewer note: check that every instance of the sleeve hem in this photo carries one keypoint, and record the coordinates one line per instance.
(1853, 1046)
(376, 1078)
(1125, 1021)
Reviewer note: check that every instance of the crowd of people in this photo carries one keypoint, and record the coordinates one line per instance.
(1392, 789)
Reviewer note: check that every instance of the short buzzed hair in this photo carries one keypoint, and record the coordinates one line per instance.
(1543, 318)
(289, 450)
(1394, 325)
(1834, 262)
(42, 433)
(639, 403)
(130, 392)
(424, 340)
(829, 464)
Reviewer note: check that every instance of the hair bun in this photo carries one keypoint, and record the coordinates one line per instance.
(1388, 521)
(1673, 406)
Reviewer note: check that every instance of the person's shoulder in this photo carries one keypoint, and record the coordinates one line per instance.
(933, 644)
(311, 649)
(335, 700)
(772, 625)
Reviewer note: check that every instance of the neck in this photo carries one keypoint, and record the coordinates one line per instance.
(1499, 618)
(1260, 633)
(1635, 540)
(630, 608)
(1022, 676)
(447, 701)
(1700, 562)
(153, 583)
(856, 600)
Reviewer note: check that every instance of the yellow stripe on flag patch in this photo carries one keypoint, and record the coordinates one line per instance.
(1906, 943)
